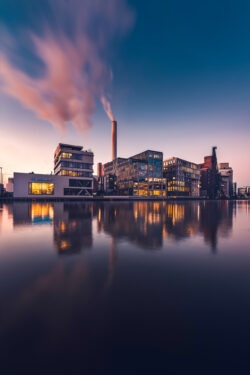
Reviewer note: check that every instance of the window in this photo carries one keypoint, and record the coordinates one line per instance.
(158, 162)
(72, 164)
(77, 192)
(65, 172)
(80, 183)
(66, 155)
(69, 155)
(38, 188)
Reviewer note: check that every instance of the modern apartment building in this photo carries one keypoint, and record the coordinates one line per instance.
(183, 177)
(138, 175)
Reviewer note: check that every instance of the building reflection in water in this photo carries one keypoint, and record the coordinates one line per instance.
(146, 224)
(1, 216)
(72, 227)
(137, 222)
(72, 222)
(32, 213)
(216, 217)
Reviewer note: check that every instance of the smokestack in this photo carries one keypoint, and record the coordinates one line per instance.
(114, 140)
(99, 170)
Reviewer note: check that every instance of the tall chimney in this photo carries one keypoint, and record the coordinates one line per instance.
(99, 170)
(114, 140)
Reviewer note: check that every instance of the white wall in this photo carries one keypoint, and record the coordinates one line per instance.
(22, 180)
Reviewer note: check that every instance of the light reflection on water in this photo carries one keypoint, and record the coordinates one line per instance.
(143, 280)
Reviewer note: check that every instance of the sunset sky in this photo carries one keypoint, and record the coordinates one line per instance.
(177, 74)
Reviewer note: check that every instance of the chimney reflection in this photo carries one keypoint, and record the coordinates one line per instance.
(112, 260)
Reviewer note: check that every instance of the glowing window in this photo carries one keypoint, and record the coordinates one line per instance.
(66, 155)
(38, 188)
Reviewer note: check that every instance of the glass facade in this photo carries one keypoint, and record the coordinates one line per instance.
(182, 177)
(70, 160)
(140, 175)
(37, 188)
(69, 164)
(68, 172)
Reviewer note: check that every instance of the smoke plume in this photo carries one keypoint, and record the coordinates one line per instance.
(68, 49)
(107, 108)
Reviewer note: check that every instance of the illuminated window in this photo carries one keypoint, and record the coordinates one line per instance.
(66, 155)
(38, 188)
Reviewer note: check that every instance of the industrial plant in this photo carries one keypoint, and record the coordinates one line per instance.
(144, 175)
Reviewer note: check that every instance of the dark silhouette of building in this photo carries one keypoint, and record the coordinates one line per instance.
(210, 177)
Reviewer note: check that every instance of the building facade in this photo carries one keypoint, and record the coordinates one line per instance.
(31, 185)
(70, 160)
(183, 177)
(73, 178)
(226, 180)
(139, 175)
(244, 192)
(210, 177)
(10, 185)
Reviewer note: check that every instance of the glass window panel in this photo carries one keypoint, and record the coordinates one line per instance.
(37, 188)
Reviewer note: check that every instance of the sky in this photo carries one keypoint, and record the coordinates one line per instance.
(176, 74)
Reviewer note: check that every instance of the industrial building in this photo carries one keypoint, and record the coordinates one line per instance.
(73, 176)
(183, 177)
(226, 180)
(210, 177)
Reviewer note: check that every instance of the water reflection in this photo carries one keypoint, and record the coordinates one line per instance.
(1, 216)
(146, 224)
(32, 213)
(72, 227)
(113, 301)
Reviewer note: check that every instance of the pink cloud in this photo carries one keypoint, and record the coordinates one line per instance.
(75, 73)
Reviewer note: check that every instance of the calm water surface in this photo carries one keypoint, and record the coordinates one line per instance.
(125, 288)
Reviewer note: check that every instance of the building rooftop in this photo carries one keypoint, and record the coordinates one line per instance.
(72, 147)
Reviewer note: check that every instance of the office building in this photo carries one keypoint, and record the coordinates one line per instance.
(70, 160)
(33, 185)
(138, 175)
(183, 177)
(73, 176)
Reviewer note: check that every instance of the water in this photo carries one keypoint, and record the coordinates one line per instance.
(125, 288)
